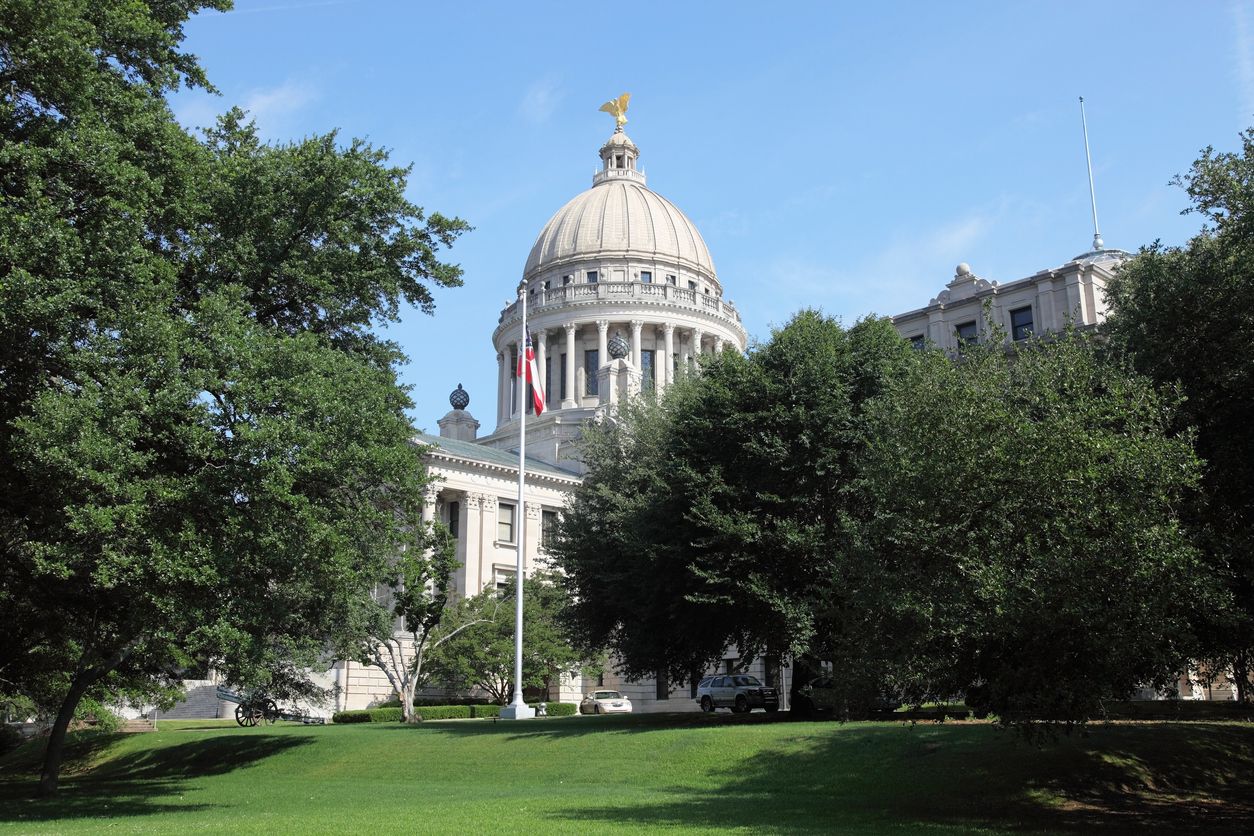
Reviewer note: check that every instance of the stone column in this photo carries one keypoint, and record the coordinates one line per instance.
(697, 336)
(511, 371)
(603, 352)
(429, 496)
(502, 392)
(542, 357)
(571, 397)
(718, 345)
(472, 535)
(532, 545)
(636, 326)
(668, 370)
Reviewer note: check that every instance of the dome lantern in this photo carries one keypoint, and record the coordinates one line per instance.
(618, 160)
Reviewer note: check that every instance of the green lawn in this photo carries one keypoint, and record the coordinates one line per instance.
(692, 773)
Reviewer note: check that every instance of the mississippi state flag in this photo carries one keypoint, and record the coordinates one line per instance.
(527, 368)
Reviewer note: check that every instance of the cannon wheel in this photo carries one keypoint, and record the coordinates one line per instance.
(247, 714)
(269, 711)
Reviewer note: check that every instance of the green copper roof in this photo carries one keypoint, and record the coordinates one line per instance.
(493, 456)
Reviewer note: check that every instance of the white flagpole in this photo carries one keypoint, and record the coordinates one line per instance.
(518, 709)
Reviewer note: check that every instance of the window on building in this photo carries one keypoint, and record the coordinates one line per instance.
(646, 277)
(455, 519)
(967, 334)
(692, 285)
(567, 279)
(592, 277)
(548, 380)
(505, 523)
(546, 284)
(647, 383)
(670, 279)
(918, 342)
(562, 386)
(663, 686)
(591, 362)
(548, 527)
(1021, 323)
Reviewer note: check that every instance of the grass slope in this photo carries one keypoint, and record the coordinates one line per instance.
(644, 774)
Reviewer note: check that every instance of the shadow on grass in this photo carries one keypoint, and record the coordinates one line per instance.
(132, 783)
(1114, 779)
(580, 725)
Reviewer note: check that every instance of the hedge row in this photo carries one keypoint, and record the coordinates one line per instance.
(369, 715)
(440, 712)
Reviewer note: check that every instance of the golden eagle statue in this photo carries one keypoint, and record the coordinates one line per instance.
(618, 109)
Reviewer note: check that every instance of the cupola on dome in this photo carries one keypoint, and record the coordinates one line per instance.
(620, 217)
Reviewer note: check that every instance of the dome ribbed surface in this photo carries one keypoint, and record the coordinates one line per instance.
(619, 218)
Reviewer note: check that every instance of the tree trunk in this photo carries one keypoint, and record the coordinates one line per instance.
(56, 740)
(408, 713)
(1241, 676)
(83, 680)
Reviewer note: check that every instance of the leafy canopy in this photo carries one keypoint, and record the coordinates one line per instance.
(203, 448)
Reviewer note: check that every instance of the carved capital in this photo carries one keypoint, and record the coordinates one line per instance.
(569, 327)
(668, 328)
(636, 325)
(603, 325)
(533, 510)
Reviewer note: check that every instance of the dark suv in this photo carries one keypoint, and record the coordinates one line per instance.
(827, 696)
(738, 691)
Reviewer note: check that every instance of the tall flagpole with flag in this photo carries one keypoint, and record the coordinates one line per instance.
(528, 384)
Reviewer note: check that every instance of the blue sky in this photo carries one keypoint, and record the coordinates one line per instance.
(834, 155)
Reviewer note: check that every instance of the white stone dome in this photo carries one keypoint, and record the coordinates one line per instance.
(620, 218)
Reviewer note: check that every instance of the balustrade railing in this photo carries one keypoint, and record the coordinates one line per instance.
(654, 292)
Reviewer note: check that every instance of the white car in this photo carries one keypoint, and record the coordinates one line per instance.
(605, 702)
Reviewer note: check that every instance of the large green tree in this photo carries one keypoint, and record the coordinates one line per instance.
(1003, 525)
(720, 516)
(1185, 316)
(203, 446)
(1023, 544)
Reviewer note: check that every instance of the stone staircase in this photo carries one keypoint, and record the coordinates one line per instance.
(141, 724)
(201, 703)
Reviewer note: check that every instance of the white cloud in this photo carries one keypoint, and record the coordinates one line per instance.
(540, 100)
(1244, 61)
(900, 275)
(270, 108)
(195, 109)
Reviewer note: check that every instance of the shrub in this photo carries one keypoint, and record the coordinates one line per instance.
(10, 738)
(444, 712)
(369, 715)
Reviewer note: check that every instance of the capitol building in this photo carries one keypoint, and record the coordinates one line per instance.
(622, 296)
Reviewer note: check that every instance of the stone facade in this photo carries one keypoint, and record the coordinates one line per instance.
(1043, 302)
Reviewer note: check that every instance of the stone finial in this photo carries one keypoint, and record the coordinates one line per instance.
(618, 347)
(459, 398)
